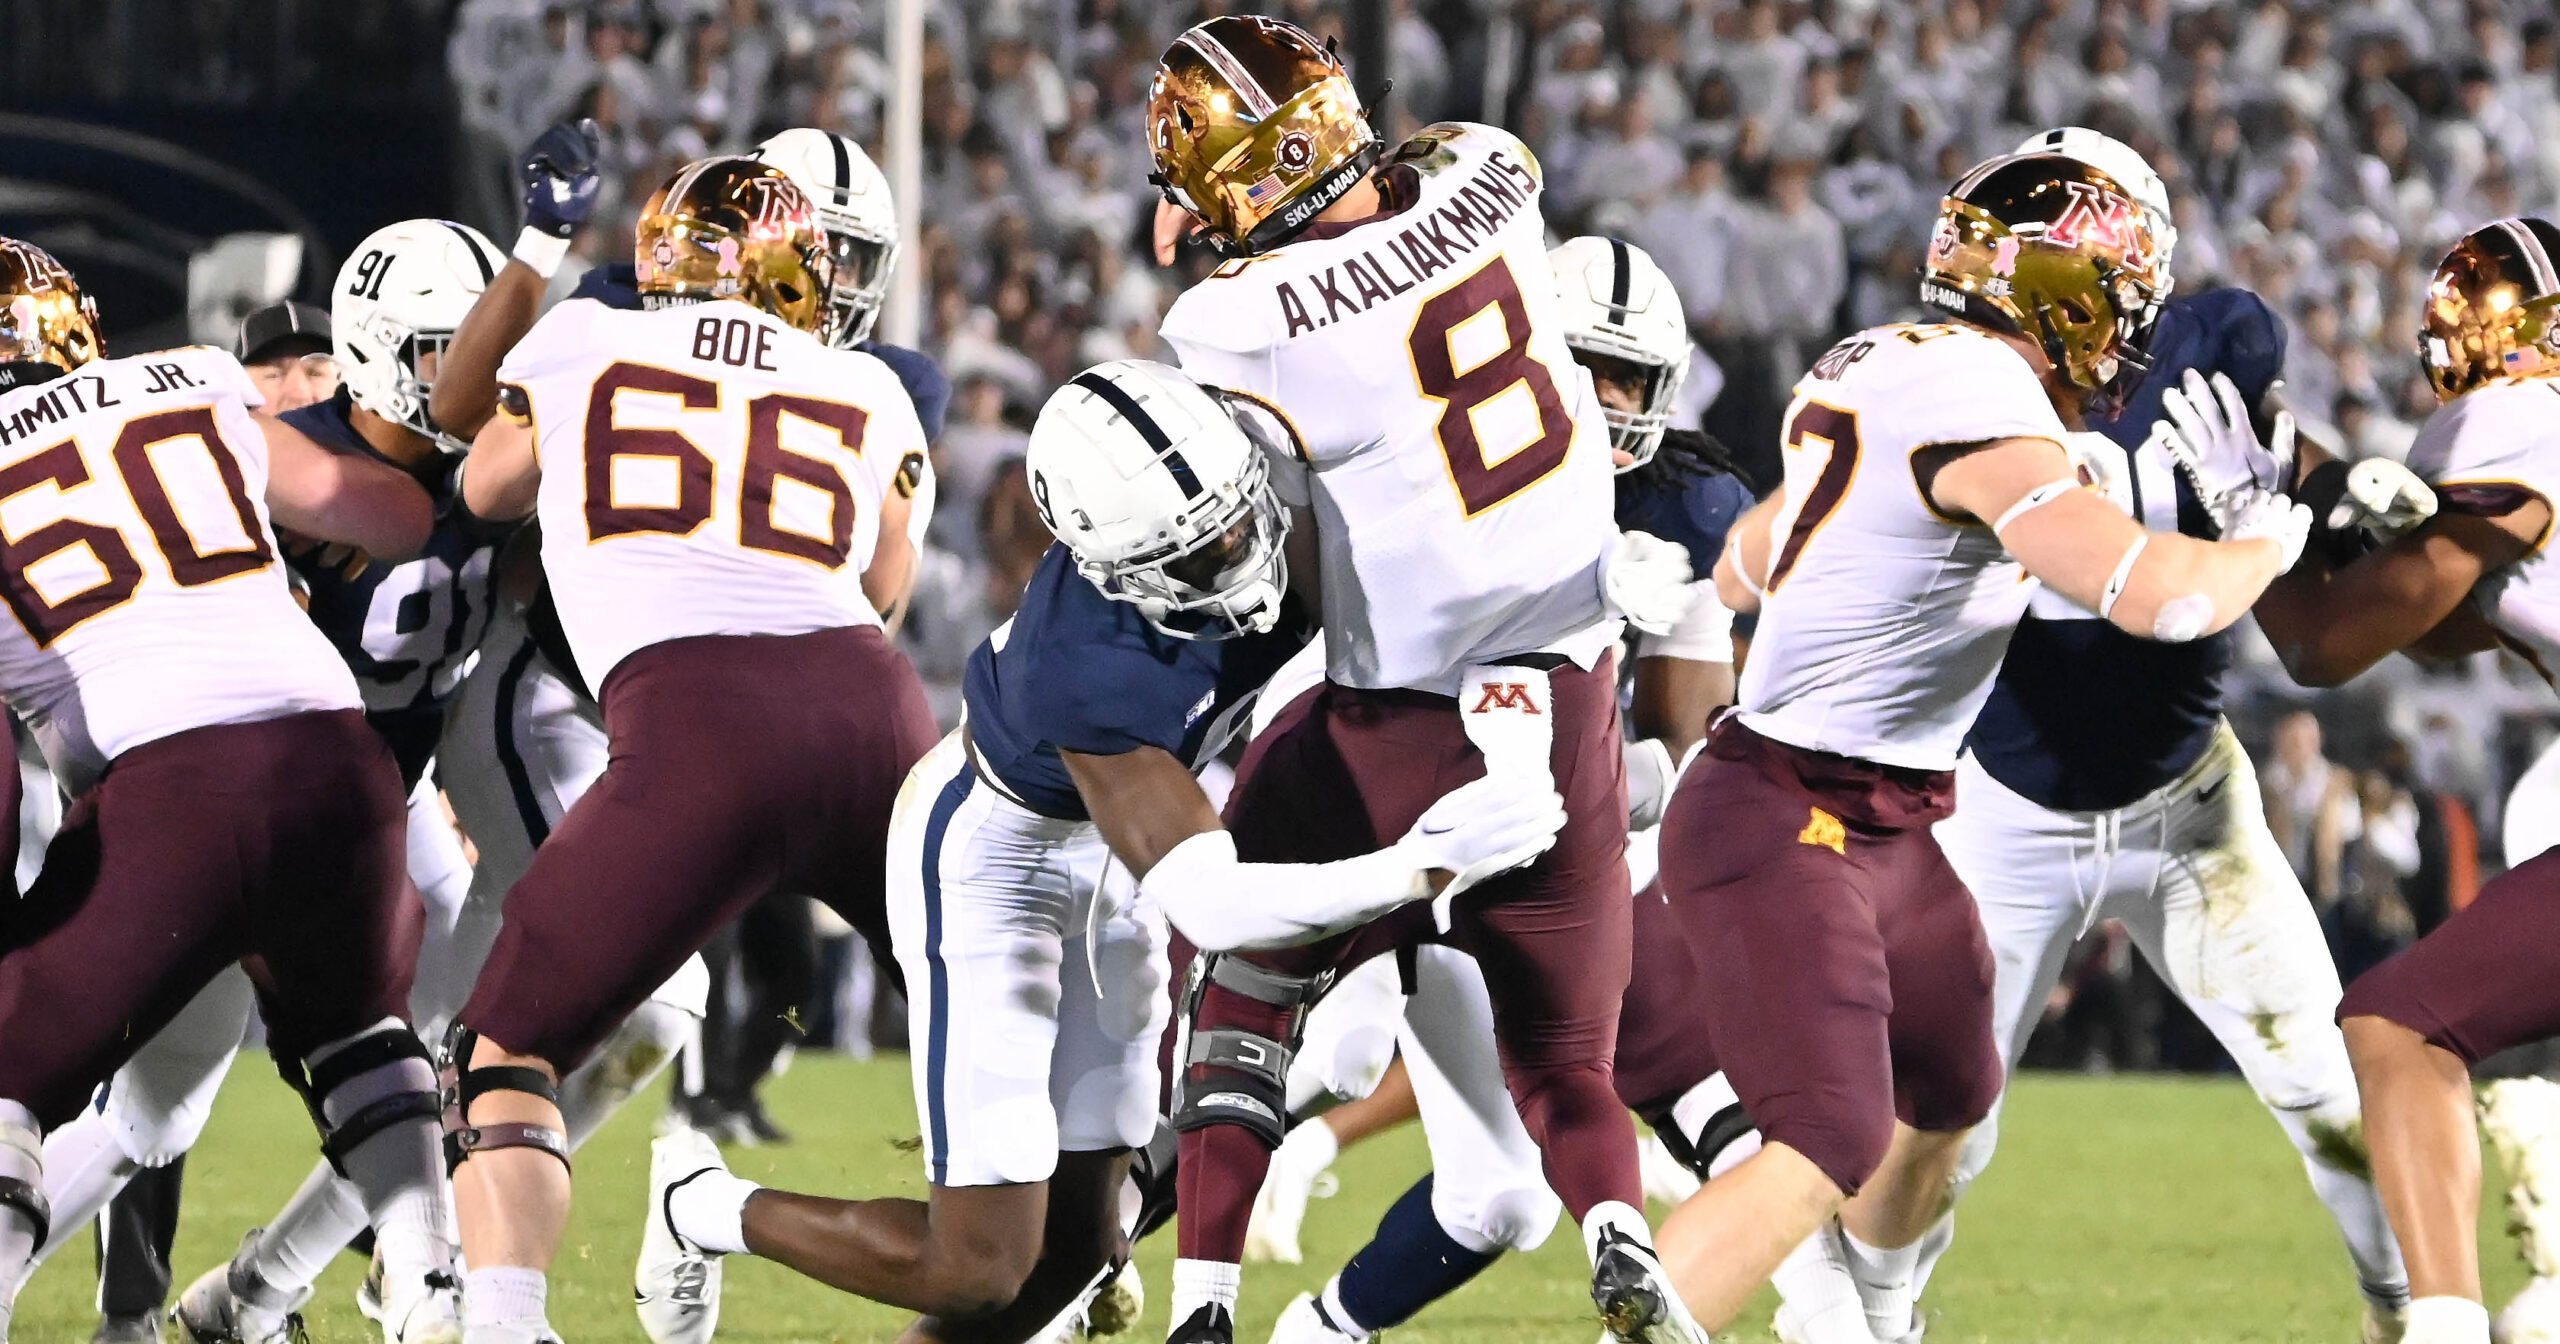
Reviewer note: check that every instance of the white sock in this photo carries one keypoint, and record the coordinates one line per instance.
(506, 1297)
(1814, 1279)
(1338, 1314)
(84, 1168)
(1884, 1278)
(1197, 1283)
(2447, 1320)
(309, 1232)
(709, 1210)
(21, 1158)
(1615, 1216)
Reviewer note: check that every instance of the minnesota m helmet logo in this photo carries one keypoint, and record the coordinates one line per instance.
(2103, 219)
(1506, 695)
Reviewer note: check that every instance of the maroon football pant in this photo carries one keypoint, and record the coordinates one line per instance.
(1843, 979)
(2484, 980)
(1661, 1053)
(1343, 772)
(740, 764)
(281, 845)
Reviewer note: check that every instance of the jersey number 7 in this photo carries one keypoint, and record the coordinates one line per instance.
(111, 555)
(1491, 294)
(767, 464)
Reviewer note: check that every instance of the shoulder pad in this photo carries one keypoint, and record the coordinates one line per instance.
(1442, 144)
(1233, 310)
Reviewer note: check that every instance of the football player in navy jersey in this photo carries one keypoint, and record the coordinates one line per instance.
(2102, 782)
(1038, 852)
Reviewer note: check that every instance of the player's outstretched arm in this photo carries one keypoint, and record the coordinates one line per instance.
(2329, 625)
(2157, 585)
(560, 181)
(1742, 571)
(892, 571)
(502, 476)
(343, 497)
(1157, 820)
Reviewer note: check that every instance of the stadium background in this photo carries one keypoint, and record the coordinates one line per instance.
(1783, 161)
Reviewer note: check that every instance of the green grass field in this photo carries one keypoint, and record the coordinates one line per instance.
(2158, 1210)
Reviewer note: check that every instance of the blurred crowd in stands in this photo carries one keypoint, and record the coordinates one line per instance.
(1783, 160)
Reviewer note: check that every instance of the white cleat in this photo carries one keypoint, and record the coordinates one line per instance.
(1115, 1308)
(676, 1288)
(2532, 1316)
(1633, 1293)
(428, 1312)
(1280, 1207)
(230, 1304)
(1304, 1322)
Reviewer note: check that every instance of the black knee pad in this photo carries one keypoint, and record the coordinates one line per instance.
(464, 1085)
(385, 1105)
(1698, 1152)
(1230, 1076)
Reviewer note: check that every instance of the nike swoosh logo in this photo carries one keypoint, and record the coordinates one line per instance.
(2205, 794)
(1438, 830)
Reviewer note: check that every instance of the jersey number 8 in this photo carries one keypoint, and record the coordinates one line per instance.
(62, 467)
(767, 463)
(1492, 291)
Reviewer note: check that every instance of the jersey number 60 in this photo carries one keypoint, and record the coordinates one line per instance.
(767, 462)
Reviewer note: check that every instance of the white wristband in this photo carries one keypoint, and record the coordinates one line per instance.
(2124, 574)
(540, 251)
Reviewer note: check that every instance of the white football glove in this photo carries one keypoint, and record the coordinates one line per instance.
(2204, 427)
(2384, 498)
(1646, 580)
(1651, 774)
(1485, 828)
(2250, 513)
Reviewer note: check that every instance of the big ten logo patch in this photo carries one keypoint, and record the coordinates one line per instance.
(1506, 695)
(1824, 830)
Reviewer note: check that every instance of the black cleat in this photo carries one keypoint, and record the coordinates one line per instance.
(1211, 1324)
(1634, 1296)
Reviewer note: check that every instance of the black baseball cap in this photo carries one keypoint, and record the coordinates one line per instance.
(286, 328)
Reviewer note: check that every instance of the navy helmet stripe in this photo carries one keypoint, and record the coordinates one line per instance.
(1147, 428)
(844, 167)
(1620, 276)
(472, 246)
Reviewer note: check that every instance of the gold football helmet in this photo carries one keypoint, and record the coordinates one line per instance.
(2490, 308)
(2049, 248)
(44, 318)
(1255, 129)
(732, 228)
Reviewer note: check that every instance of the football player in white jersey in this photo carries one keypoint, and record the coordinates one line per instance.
(1927, 481)
(2100, 782)
(1400, 310)
(165, 490)
(2474, 575)
(723, 514)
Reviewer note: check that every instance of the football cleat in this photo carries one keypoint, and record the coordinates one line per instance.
(1211, 1324)
(143, 1328)
(1304, 1322)
(231, 1304)
(676, 1287)
(2532, 1316)
(1634, 1295)
(1842, 1323)
(1116, 1305)
(428, 1312)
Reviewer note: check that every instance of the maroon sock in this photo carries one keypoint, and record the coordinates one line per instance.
(1584, 1133)
(1221, 1171)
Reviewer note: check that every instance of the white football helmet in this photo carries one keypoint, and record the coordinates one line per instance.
(1161, 488)
(860, 219)
(399, 297)
(2126, 165)
(1619, 306)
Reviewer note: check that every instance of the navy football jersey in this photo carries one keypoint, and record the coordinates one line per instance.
(2085, 717)
(1075, 669)
(407, 630)
(616, 285)
(1693, 510)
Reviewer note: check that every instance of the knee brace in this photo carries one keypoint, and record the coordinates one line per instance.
(22, 1169)
(1238, 1076)
(372, 1081)
(462, 1085)
(1151, 1174)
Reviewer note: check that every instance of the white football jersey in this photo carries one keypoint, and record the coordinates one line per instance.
(1886, 620)
(140, 565)
(1459, 461)
(706, 470)
(2486, 450)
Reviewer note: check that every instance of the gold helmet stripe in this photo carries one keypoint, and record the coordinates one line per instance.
(2545, 279)
(1257, 100)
